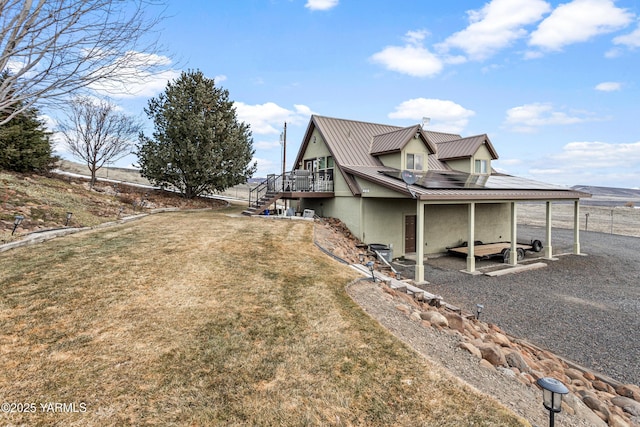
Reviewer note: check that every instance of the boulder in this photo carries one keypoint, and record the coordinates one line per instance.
(583, 411)
(486, 364)
(597, 406)
(617, 421)
(471, 349)
(515, 360)
(416, 316)
(501, 339)
(574, 374)
(627, 404)
(455, 321)
(492, 354)
(629, 390)
(435, 318)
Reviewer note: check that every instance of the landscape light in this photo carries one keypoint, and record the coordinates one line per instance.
(479, 308)
(552, 392)
(370, 265)
(69, 214)
(361, 258)
(16, 223)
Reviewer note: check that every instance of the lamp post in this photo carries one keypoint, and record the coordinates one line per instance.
(16, 223)
(370, 265)
(69, 214)
(552, 392)
(479, 308)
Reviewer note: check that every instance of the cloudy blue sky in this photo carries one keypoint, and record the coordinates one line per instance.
(554, 84)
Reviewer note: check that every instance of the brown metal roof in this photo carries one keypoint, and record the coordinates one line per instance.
(463, 148)
(353, 143)
(393, 141)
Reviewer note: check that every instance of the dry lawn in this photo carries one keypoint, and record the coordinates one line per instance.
(203, 319)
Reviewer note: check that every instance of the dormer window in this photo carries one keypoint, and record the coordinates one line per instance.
(415, 161)
(481, 167)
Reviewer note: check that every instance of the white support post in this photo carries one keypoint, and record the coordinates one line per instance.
(513, 255)
(548, 249)
(419, 274)
(471, 255)
(576, 227)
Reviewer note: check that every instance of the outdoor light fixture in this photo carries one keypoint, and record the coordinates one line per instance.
(370, 265)
(68, 218)
(479, 308)
(552, 392)
(361, 258)
(16, 223)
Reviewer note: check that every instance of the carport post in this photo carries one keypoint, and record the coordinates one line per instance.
(548, 250)
(513, 255)
(419, 274)
(576, 227)
(471, 255)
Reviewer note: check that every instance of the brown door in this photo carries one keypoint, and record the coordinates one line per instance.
(410, 233)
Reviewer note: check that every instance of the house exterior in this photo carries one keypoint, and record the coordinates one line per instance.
(416, 190)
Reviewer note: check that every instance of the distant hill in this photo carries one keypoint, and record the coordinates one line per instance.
(609, 195)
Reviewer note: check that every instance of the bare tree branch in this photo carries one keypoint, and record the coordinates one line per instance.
(51, 48)
(96, 132)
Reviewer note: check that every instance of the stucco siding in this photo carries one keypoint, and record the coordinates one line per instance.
(447, 225)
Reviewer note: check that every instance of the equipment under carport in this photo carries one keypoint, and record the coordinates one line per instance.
(498, 249)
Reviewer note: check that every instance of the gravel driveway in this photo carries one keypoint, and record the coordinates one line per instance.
(584, 308)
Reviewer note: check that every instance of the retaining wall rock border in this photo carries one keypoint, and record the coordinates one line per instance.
(614, 403)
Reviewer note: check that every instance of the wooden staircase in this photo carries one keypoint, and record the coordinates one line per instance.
(263, 203)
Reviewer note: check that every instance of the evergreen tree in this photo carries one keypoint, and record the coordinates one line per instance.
(25, 144)
(198, 145)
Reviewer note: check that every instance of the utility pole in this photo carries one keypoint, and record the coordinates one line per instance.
(284, 151)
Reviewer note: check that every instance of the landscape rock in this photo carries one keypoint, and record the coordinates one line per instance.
(574, 374)
(455, 321)
(515, 360)
(435, 318)
(471, 349)
(493, 354)
(629, 390)
(617, 421)
(596, 405)
(627, 404)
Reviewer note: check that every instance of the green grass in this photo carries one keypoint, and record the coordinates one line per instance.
(207, 319)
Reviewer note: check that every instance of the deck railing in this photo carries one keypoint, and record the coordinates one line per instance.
(299, 180)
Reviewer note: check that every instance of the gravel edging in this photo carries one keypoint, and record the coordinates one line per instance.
(441, 347)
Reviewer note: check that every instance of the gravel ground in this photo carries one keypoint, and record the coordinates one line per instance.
(441, 348)
(584, 308)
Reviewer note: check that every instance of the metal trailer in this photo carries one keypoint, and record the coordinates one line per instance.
(498, 249)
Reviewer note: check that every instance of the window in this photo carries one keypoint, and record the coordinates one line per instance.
(481, 166)
(414, 161)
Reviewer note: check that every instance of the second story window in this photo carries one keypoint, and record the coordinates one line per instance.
(481, 166)
(415, 162)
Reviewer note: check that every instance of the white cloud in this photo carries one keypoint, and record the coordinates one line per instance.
(579, 21)
(496, 26)
(269, 118)
(594, 163)
(220, 78)
(266, 166)
(412, 58)
(608, 86)
(321, 4)
(446, 116)
(528, 117)
(631, 40)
